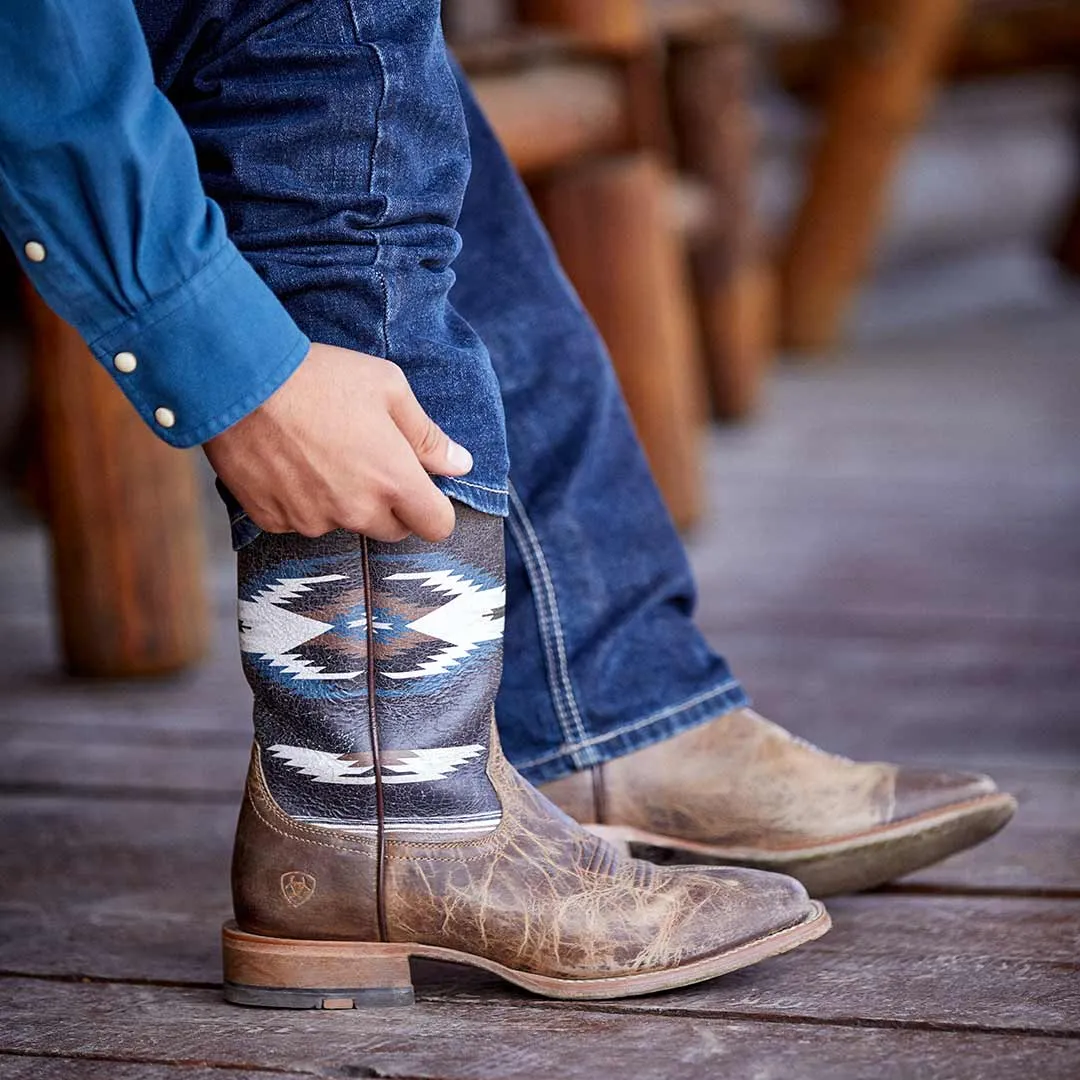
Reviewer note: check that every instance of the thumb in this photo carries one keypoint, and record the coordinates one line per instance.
(436, 451)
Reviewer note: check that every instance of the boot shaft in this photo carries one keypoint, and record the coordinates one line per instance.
(374, 669)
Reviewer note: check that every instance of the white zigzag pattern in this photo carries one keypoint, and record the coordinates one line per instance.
(464, 621)
(409, 766)
(269, 628)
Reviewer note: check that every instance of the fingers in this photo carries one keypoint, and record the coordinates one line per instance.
(344, 444)
(430, 515)
(436, 451)
(376, 524)
(385, 527)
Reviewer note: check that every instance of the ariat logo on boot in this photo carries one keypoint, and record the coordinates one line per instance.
(297, 887)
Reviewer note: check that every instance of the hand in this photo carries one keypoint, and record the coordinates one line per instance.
(343, 444)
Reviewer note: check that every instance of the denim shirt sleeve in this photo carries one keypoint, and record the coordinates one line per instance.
(100, 198)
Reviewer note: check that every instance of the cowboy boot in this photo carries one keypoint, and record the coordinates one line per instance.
(742, 790)
(382, 822)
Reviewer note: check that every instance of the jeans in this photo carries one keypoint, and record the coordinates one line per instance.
(359, 177)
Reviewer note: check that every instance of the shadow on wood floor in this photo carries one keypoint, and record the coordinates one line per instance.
(891, 564)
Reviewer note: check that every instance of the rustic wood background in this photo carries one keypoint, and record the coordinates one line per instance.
(891, 563)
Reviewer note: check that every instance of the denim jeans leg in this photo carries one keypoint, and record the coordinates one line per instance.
(334, 139)
(602, 654)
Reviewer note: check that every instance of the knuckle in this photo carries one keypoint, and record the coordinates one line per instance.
(390, 490)
(431, 439)
(388, 531)
(360, 517)
(357, 523)
(394, 377)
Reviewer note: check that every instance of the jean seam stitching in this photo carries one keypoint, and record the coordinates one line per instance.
(479, 487)
(550, 626)
(372, 165)
(663, 714)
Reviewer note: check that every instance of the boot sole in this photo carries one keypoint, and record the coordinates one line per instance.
(286, 974)
(848, 864)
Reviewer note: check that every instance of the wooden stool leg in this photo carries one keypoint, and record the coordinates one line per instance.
(125, 516)
(882, 81)
(611, 224)
(735, 282)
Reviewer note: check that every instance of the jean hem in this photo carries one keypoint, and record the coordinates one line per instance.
(656, 727)
(486, 498)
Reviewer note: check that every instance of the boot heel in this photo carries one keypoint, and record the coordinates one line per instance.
(280, 973)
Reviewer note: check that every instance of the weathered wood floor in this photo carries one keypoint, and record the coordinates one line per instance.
(891, 564)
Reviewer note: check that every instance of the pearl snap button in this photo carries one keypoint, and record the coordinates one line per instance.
(165, 417)
(34, 251)
(125, 362)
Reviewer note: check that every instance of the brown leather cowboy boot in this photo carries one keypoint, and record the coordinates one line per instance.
(742, 790)
(381, 820)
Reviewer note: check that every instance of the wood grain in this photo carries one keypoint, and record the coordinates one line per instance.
(446, 1041)
(32, 1067)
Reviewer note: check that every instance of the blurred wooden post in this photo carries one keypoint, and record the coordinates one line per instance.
(881, 83)
(556, 112)
(610, 220)
(125, 516)
(611, 223)
(734, 279)
(473, 20)
(616, 25)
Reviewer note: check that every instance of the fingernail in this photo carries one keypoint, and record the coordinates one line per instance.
(458, 458)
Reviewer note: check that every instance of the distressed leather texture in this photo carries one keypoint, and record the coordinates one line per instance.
(741, 780)
(533, 890)
(437, 634)
(540, 894)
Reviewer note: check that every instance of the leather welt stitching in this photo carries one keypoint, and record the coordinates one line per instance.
(303, 839)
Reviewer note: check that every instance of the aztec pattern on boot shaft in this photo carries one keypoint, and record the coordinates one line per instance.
(431, 617)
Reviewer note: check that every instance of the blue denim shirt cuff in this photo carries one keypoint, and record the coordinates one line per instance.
(206, 354)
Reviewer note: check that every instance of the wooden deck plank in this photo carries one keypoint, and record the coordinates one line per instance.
(33, 1067)
(891, 559)
(161, 1025)
(914, 693)
(130, 891)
